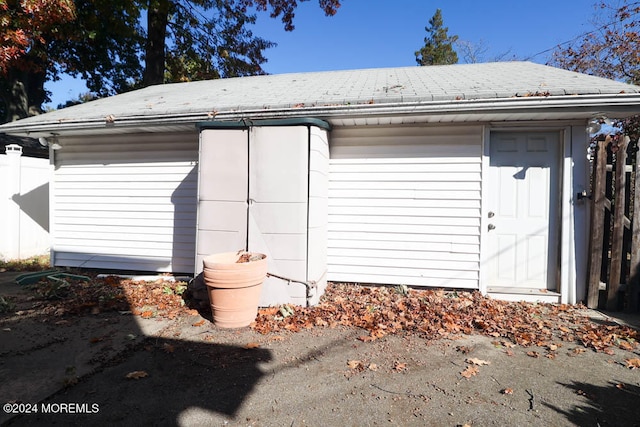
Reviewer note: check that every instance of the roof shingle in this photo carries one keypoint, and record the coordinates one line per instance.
(497, 80)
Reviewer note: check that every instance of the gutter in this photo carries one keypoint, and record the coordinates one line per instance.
(516, 105)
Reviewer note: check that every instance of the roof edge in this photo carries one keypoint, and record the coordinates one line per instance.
(324, 113)
(246, 123)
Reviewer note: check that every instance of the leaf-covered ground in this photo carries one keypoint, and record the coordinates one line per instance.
(107, 294)
(36, 263)
(423, 356)
(377, 311)
(434, 314)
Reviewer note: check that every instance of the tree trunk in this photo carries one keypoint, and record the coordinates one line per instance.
(157, 21)
(22, 94)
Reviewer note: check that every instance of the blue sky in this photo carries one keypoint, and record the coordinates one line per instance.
(385, 33)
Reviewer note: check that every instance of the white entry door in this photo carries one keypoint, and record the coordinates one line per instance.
(523, 206)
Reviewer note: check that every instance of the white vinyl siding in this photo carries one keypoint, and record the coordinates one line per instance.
(126, 202)
(404, 206)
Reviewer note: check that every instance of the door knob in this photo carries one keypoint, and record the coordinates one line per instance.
(491, 227)
(491, 214)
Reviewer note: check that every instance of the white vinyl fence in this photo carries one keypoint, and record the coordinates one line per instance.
(24, 205)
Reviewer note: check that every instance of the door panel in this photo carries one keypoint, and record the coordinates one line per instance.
(522, 210)
(222, 192)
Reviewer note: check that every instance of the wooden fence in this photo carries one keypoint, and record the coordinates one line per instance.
(614, 247)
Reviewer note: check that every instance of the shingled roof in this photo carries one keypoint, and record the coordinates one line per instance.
(328, 94)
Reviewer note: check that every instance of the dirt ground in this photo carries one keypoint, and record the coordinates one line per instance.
(120, 369)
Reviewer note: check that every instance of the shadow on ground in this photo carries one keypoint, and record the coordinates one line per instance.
(613, 405)
(184, 381)
(186, 372)
(127, 369)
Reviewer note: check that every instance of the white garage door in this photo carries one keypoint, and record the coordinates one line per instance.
(404, 206)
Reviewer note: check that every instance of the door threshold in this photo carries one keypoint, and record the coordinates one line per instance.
(523, 294)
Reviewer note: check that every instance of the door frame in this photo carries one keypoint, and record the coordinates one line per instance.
(565, 280)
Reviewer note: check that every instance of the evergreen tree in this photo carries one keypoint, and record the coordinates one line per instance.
(438, 45)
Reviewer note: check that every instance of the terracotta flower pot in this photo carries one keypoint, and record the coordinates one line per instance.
(234, 287)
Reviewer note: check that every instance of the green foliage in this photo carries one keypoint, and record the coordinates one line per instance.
(174, 289)
(53, 289)
(105, 43)
(27, 27)
(103, 46)
(438, 45)
(101, 43)
(208, 39)
(80, 99)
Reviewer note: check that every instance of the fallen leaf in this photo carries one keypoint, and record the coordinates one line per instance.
(463, 349)
(399, 367)
(136, 375)
(147, 314)
(321, 322)
(479, 362)
(470, 371)
(585, 394)
(373, 367)
(625, 345)
(354, 364)
(533, 354)
(168, 348)
(198, 323)
(633, 363)
(507, 391)
(252, 345)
